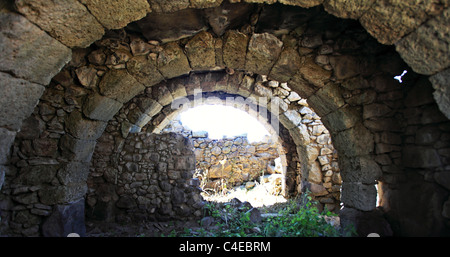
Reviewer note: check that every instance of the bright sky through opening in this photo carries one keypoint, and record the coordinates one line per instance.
(219, 121)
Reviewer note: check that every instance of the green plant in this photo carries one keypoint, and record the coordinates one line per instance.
(298, 218)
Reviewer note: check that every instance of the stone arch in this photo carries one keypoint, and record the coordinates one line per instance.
(343, 120)
(241, 91)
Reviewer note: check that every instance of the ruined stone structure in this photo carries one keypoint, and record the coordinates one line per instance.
(76, 74)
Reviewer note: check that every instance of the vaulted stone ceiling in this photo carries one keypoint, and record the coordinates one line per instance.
(374, 123)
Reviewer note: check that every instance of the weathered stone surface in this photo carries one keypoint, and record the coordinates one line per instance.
(342, 119)
(227, 15)
(313, 73)
(235, 49)
(262, 53)
(99, 107)
(65, 219)
(301, 3)
(149, 106)
(300, 135)
(443, 179)
(375, 110)
(82, 128)
(314, 173)
(73, 173)
(347, 9)
(18, 98)
(426, 48)
(200, 51)
(354, 141)
(318, 190)
(68, 21)
(168, 5)
(345, 66)
(360, 169)
(287, 65)
(420, 157)
(390, 20)
(327, 99)
(365, 222)
(87, 76)
(446, 209)
(144, 70)
(2, 175)
(290, 119)
(301, 86)
(167, 27)
(77, 149)
(172, 62)
(205, 3)
(120, 85)
(117, 14)
(441, 94)
(36, 175)
(28, 52)
(359, 196)
(6, 140)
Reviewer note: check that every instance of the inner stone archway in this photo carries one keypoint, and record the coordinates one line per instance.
(139, 116)
(376, 126)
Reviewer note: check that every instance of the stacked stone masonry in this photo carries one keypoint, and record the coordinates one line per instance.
(383, 131)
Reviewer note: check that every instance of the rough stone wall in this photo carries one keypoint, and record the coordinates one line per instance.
(34, 197)
(143, 177)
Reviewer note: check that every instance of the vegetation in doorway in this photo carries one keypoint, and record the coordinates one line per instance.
(299, 217)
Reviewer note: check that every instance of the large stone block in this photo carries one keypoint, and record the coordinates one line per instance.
(327, 99)
(354, 141)
(365, 222)
(120, 85)
(420, 157)
(347, 9)
(82, 128)
(172, 62)
(168, 5)
(65, 219)
(172, 26)
(115, 14)
(262, 53)
(73, 173)
(144, 70)
(18, 98)
(441, 94)
(6, 140)
(149, 106)
(200, 51)
(77, 149)
(235, 49)
(342, 119)
(302, 87)
(302, 3)
(313, 73)
(359, 196)
(205, 3)
(37, 175)
(287, 65)
(426, 48)
(28, 52)
(2, 175)
(99, 107)
(359, 169)
(390, 20)
(66, 20)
